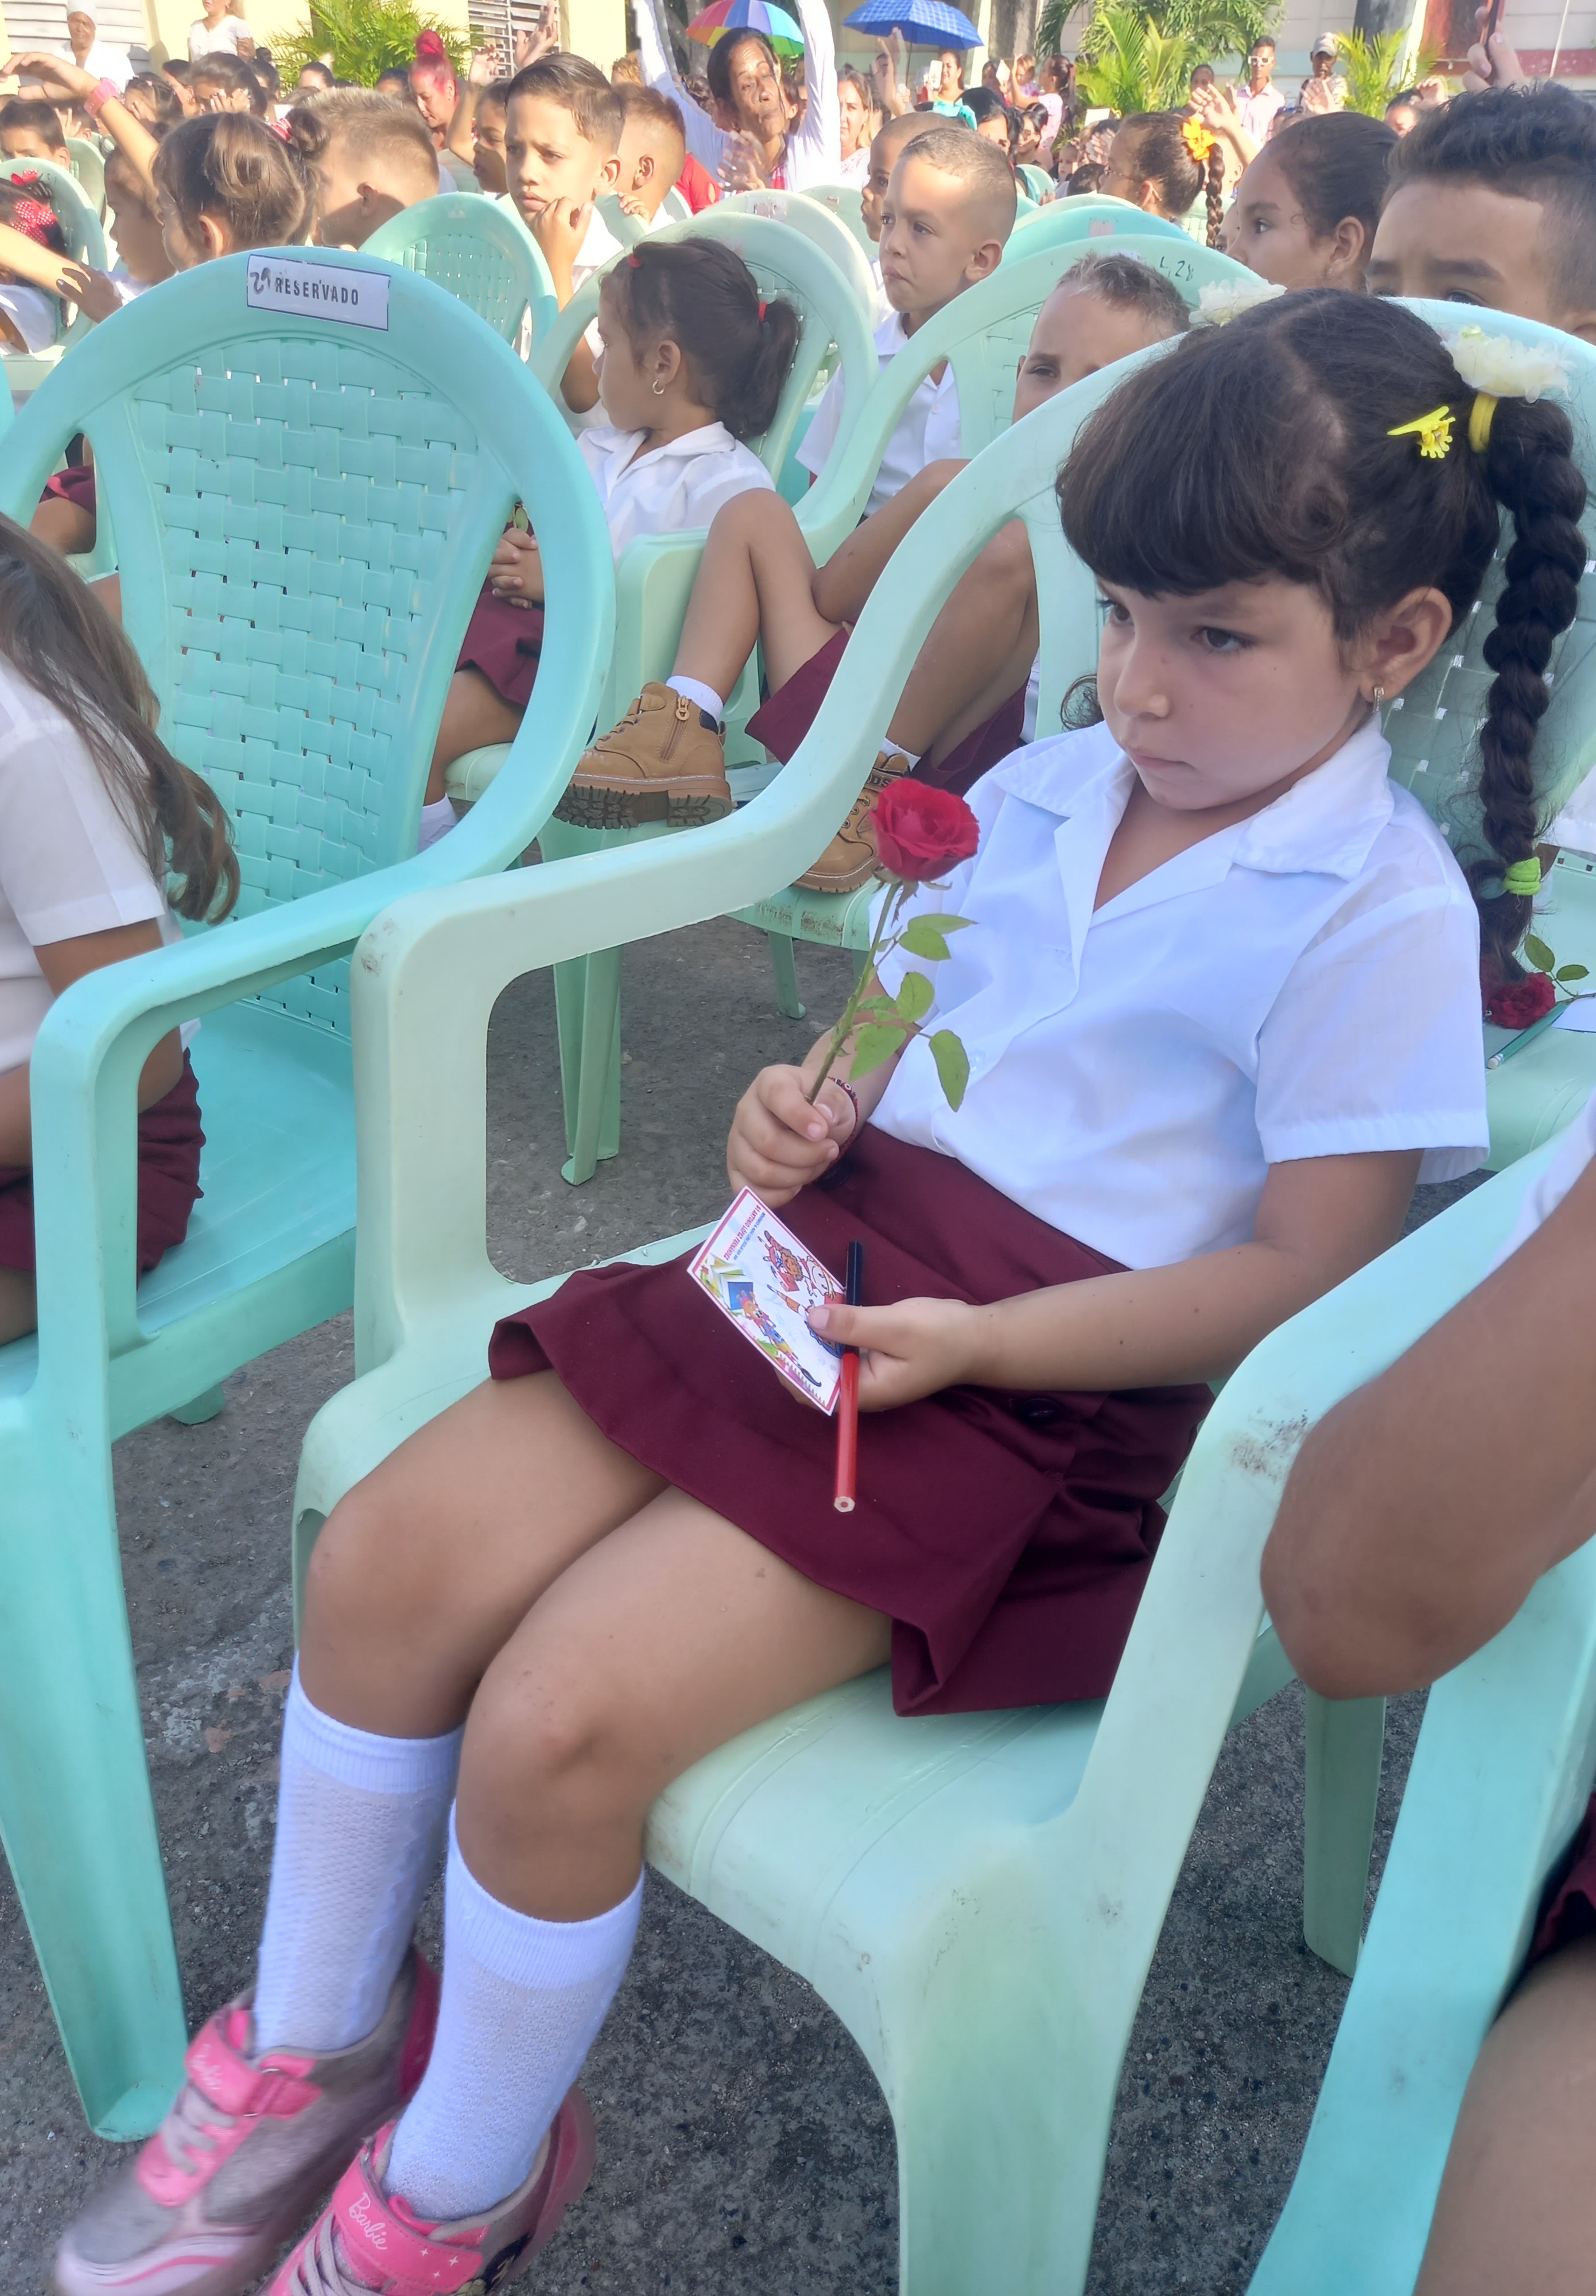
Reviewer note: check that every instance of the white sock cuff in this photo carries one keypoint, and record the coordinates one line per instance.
(523, 1950)
(896, 750)
(693, 689)
(357, 1758)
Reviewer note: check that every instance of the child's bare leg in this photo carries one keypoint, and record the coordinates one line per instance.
(19, 1304)
(63, 526)
(426, 1570)
(1517, 2210)
(754, 581)
(474, 716)
(979, 651)
(659, 1643)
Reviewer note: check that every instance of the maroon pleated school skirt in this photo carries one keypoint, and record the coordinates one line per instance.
(781, 723)
(75, 485)
(169, 1141)
(1007, 1536)
(504, 642)
(1569, 1911)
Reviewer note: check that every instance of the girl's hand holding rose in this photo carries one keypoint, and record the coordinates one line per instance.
(780, 1141)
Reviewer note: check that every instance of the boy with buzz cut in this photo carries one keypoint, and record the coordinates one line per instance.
(562, 130)
(368, 159)
(945, 218)
(652, 150)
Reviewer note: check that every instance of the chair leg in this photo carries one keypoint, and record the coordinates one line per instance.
(203, 1407)
(76, 1814)
(1345, 1741)
(307, 1531)
(788, 1001)
(592, 1121)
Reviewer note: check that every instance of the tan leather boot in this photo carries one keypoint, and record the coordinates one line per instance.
(665, 761)
(850, 857)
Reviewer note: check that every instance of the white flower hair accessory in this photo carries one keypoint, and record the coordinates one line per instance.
(1504, 368)
(1221, 301)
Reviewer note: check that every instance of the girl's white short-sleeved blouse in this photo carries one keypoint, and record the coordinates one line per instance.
(674, 488)
(68, 863)
(1305, 983)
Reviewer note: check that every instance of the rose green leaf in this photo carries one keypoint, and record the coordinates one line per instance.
(874, 1044)
(1574, 972)
(1539, 955)
(913, 997)
(952, 1065)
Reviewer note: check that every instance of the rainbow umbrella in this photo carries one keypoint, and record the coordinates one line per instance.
(783, 33)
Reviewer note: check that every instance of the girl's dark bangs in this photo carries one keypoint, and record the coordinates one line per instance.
(1166, 493)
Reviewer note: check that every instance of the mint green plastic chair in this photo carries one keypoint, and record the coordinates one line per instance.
(619, 224)
(1542, 1084)
(976, 1897)
(674, 206)
(88, 166)
(7, 409)
(1499, 1781)
(820, 224)
(481, 252)
(1064, 222)
(846, 202)
(310, 507)
(85, 243)
(1038, 182)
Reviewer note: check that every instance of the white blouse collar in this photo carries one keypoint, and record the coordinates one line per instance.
(712, 438)
(1328, 821)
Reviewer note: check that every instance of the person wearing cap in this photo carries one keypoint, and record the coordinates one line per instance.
(1258, 102)
(91, 53)
(1321, 91)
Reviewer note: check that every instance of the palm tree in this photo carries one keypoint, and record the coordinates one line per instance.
(1215, 28)
(1128, 63)
(362, 38)
(1372, 69)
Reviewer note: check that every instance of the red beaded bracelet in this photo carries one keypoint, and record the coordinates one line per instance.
(99, 96)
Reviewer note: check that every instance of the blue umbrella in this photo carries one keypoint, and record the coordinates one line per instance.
(923, 23)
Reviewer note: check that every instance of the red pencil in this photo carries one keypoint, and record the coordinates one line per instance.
(848, 1401)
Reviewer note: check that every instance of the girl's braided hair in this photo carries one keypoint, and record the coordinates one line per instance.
(1165, 159)
(1297, 475)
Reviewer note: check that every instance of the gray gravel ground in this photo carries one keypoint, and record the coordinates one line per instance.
(744, 2146)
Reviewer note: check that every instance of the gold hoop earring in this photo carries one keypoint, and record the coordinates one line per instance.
(1377, 696)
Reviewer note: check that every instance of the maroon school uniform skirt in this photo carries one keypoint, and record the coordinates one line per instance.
(1569, 1911)
(1007, 1536)
(504, 642)
(75, 484)
(780, 724)
(169, 1141)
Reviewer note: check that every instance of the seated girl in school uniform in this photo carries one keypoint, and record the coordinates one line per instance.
(971, 695)
(1219, 997)
(692, 364)
(90, 803)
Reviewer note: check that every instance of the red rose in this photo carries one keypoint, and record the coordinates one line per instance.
(1517, 1002)
(922, 832)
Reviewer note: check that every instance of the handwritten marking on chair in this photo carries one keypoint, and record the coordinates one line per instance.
(359, 298)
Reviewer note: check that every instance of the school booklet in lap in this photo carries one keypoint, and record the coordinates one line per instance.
(758, 1273)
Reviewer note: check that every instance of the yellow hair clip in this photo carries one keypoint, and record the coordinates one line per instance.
(1434, 432)
(1199, 140)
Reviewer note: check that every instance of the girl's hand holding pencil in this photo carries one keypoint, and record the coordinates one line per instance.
(917, 1348)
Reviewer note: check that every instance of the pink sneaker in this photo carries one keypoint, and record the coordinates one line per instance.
(369, 2243)
(246, 2149)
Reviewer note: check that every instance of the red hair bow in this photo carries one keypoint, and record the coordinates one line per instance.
(33, 220)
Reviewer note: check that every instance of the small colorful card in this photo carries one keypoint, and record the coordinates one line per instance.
(758, 1272)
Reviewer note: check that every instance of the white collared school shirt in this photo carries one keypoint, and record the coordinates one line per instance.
(671, 490)
(929, 432)
(1305, 983)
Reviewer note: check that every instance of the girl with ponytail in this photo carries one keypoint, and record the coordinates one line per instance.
(94, 811)
(1216, 1004)
(693, 366)
(1164, 163)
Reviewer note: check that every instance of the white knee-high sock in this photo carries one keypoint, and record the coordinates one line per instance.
(522, 2003)
(359, 1828)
